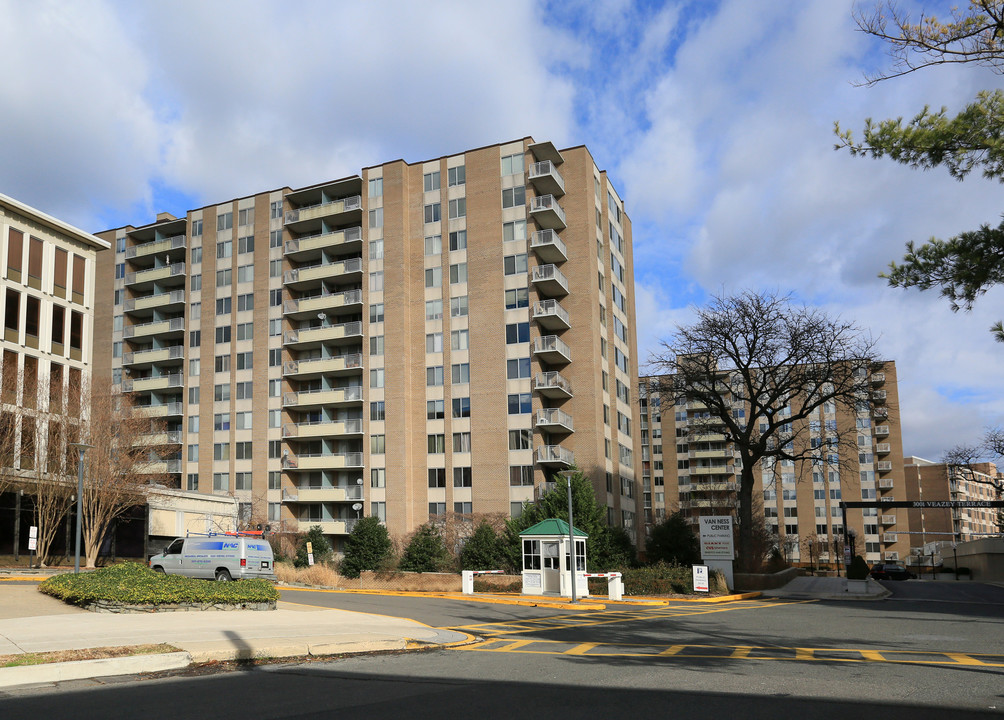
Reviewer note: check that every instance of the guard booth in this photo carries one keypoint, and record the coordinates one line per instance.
(546, 560)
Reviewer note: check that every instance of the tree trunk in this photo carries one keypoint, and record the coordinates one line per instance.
(745, 551)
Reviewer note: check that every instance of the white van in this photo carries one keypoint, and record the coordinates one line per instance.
(223, 556)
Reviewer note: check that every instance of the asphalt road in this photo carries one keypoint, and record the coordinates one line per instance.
(913, 657)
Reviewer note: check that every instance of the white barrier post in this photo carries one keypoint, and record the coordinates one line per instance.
(467, 582)
(615, 587)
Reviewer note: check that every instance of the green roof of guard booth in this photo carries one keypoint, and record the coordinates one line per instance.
(553, 526)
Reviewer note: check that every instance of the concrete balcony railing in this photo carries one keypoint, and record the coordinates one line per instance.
(884, 466)
(881, 430)
(323, 366)
(156, 355)
(323, 333)
(322, 461)
(323, 209)
(878, 378)
(554, 455)
(157, 246)
(879, 395)
(550, 315)
(553, 420)
(329, 527)
(154, 328)
(546, 211)
(548, 246)
(886, 484)
(549, 280)
(552, 350)
(172, 437)
(325, 302)
(157, 300)
(552, 385)
(887, 519)
(327, 428)
(546, 179)
(324, 240)
(165, 272)
(319, 398)
(159, 382)
(163, 410)
(323, 271)
(883, 448)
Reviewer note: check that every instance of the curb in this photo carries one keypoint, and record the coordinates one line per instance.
(83, 669)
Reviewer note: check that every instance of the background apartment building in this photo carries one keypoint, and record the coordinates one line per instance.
(416, 339)
(698, 474)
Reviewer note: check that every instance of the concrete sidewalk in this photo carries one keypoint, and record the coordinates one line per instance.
(32, 623)
(827, 588)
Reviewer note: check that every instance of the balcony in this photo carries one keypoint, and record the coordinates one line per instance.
(884, 466)
(553, 420)
(316, 336)
(883, 448)
(878, 378)
(881, 430)
(312, 430)
(158, 246)
(312, 399)
(305, 246)
(550, 315)
(880, 412)
(158, 327)
(702, 454)
(158, 301)
(326, 302)
(172, 437)
(879, 395)
(705, 486)
(548, 246)
(711, 470)
(160, 382)
(330, 493)
(549, 280)
(892, 556)
(552, 385)
(554, 455)
(327, 209)
(886, 484)
(709, 437)
(159, 411)
(546, 179)
(547, 213)
(150, 357)
(329, 527)
(316, 367)
(160, 467)
(173, 274)
(322, 461)
(552, 350)
(342, 270)
(890, 537)
(887, 519)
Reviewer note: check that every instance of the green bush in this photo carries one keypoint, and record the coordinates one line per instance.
(660, 579)
(483, 550)
(425, 553)
(135, 584)
(320, 545)
(672, 541)
(367, 548)
(858, 569)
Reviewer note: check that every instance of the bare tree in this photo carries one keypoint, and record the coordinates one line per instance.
(121, 465)
(762, 368)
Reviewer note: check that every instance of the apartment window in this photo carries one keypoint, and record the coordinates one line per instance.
(245, 390)
(245, 360)
(433, 309)
(245, 331)
(193, 423)
(514, 197)
(274, 418)
(458, 208)
(223, 306)
(433, 277)
(515, 264)
(245, 216)
(434, 343)
(437, 508)
(222, 363)
(376, 378)
(376, 345)
(245, 302)
(433, 213)
(245, 273)
(377, 411)
(515, 230)
(376, 249)
(193, 453)
(378, 477)
(458, 240)
(462, 407)
(221, 482)
(376, 218)
(376, 187)
(245, 244)
(430, 181)
(221, 392)
(223, 334)
(512, 164)
(458, 306)
(196, 255)
(437, 477)
(459, 340)
(436, 444)
(193, 396)
(461, 373)
(275, 238)
(435, 410)
(196, 282)
(274, 268)
(275, 327)
(520, 439)
(275, 297)
(224, 221)
(221, 451)
(224, 277)
(376, 281)
(517, 368)
(274, 448)
(519, 403)
(274, 388)
(243, 451)
(520, 475)
(192, 481)
(458, 273)
(517, 298)
(462, 478)
(275, 209)
(434, 376)
(517, 333)
(378, 444)
(620, 359)
(456, 176)
(461, 442)
(376, 312)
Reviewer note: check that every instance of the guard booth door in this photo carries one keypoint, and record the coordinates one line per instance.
(550, 567)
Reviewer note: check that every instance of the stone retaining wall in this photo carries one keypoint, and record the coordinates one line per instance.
(108, 606)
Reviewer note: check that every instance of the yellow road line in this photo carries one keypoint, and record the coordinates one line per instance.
(581, 649)
(672, 650)
(963, 659)
(741, 652)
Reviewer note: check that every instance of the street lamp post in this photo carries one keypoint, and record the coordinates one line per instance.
(81, 449)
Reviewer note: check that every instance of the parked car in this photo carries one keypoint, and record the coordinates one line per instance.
(223, 556)
(891, 572)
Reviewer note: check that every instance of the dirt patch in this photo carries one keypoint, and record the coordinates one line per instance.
(101, 653)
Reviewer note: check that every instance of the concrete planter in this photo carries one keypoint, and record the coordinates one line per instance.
(856, 587)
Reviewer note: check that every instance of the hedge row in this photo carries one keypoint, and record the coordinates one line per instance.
(136, 584)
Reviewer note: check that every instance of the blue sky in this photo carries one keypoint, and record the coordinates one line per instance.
(714, 119)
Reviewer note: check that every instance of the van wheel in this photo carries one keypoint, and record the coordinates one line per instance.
(223, 575)
(159, 569)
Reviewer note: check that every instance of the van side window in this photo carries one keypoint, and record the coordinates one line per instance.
(175, 547)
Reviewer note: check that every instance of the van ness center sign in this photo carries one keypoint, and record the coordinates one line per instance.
(716, 538)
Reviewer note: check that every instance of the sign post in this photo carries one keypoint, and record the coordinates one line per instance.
(32, 544)
(310, 553)
(718, 545)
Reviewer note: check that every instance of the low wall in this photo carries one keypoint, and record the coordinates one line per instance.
(984, 558)
(421, 582)
(751, 582)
